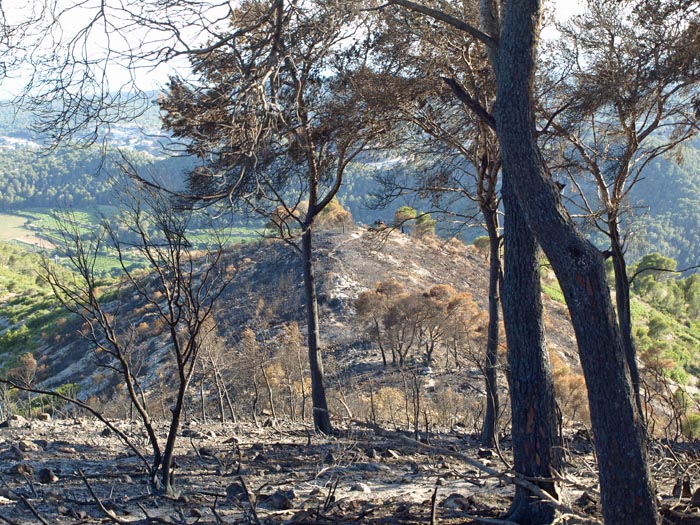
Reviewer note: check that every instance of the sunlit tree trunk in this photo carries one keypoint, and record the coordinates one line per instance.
(535, 425)
(626, 488)
(322, 420)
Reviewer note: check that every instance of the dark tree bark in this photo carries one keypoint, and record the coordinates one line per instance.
(624, 311)
(489, 434)
(322, 420)
(167, 478)
(626, 487)
(629, 76)
(535, 425)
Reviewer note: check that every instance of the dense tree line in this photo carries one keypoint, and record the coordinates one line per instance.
(663, 219)
(667, 220)
(34, 178)
(77, 178)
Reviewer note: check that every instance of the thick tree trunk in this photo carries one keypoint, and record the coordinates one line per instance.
(322, 420)
(535, 426)
(489, 434)
(626, 488)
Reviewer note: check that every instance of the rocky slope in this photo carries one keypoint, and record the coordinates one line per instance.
(267, 297)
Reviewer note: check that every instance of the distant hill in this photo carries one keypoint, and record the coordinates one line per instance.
(668, 219)
(666, 203)
(35, 178)
(267, 299)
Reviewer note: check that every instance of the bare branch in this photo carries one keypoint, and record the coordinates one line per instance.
(109, 513)
(33, 510)
(436, 14)
(661, 269)
(84, 406)
(471, 103)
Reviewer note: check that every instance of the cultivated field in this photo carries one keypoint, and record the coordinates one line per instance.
(13, 228)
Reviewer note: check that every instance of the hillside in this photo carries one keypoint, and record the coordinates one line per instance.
(267, 297)
(665, 206)
(258, 433)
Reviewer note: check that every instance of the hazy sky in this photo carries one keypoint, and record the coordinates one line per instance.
(155, 79)
(566, 8)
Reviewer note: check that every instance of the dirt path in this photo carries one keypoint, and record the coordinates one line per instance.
(35, 241)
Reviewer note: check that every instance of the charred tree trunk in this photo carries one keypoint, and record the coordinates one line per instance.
(234, 419)
(220, 388)
(535, 424)
(322, 420)
(379, 340)
(270, 395)
(202, 401)
(166, 477)
(624, 311)
(256, 397)
(303, 386)
(145, 417)
(489, 433)
(626, 488)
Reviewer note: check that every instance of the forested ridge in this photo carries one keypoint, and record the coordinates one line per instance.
(668, 199)
(31, 177)
(664, 204)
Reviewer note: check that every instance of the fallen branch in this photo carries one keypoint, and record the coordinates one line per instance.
(215, 512)
(433, 507)
(510, 477)
(8, 520)
(33, 510)
(251, 503)
(153, 519)
(567, 480)
(491, 521)
(109, 513)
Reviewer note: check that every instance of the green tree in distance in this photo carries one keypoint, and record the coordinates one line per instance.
(403, 217)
